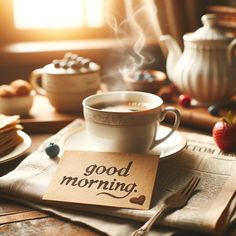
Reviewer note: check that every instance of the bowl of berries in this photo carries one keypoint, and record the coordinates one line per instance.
(145, 80)
(67, 81)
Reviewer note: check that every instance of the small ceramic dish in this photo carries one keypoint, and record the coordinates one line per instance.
(148, 81)
(17, 105)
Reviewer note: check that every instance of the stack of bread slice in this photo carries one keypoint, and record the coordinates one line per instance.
(9, 135)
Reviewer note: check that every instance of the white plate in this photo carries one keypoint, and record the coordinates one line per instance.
(174, 144)
(19, 150)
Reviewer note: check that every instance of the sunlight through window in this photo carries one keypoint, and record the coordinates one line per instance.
(46, 14)
(95, 12)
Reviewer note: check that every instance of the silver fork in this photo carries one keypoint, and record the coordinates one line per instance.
(177, 200)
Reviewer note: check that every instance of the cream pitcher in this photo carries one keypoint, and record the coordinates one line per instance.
(205, 70)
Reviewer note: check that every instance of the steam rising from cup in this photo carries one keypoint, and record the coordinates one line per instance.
(140, 26)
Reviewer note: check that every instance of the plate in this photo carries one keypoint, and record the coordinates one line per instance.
(175, 143)
(19, 150)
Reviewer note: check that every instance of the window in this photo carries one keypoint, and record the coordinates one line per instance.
(44, 20)
(53, 14)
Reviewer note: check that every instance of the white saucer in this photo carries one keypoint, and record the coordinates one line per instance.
(175, 143)
(19, 150)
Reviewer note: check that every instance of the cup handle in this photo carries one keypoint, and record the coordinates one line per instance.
(35, 78)
(175, 125)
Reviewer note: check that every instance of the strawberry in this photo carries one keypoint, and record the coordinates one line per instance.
(224, 133)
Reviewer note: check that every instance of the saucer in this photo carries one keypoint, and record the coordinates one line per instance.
(174, 144)
(19, 150)
(79, 140)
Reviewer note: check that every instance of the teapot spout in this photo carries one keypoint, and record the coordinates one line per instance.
(174, 54)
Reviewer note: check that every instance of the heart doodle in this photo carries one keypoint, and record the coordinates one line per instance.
(138, 200)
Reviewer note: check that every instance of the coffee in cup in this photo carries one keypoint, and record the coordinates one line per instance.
(119, 106)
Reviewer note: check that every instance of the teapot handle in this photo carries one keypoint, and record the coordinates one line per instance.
(230, 51)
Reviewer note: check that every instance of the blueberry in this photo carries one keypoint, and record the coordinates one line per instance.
(63, 64)
(213, 110)
(138, 75)
(74, 65)
(147, 76)
(56, 63)
(52, 150)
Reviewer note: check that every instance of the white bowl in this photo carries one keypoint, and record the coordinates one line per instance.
(18, 105)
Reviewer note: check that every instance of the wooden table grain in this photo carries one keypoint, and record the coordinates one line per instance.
(18, 220)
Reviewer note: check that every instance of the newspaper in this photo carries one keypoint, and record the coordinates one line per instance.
(213, 206)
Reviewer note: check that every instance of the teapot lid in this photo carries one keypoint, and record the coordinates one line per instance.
(209, 31)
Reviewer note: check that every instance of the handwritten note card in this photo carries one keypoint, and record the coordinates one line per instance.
(110, 179)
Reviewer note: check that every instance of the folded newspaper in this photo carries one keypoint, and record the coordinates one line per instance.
(211, 209)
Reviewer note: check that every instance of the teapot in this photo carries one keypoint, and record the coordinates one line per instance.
(205, 70)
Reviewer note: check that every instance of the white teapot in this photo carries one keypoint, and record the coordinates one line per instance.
(205, 69)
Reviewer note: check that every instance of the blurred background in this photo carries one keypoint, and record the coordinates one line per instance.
(34, 32)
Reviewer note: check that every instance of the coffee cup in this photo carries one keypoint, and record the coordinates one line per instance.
(65, 88)
(126, 121)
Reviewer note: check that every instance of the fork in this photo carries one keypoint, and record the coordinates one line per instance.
(177, 200)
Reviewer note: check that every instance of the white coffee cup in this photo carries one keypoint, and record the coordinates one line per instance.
(66, 88)
(126, 121)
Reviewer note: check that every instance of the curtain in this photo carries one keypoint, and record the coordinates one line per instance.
(177, 17)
